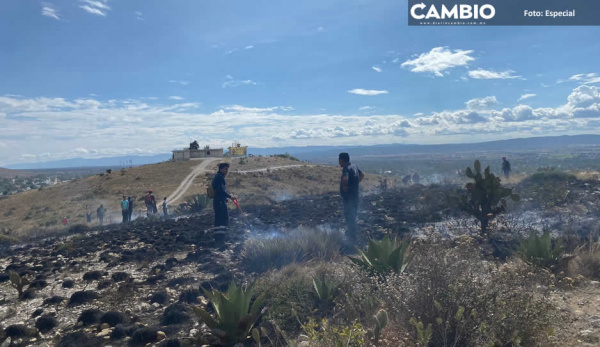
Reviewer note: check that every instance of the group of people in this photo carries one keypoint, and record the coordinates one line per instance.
(349, 190)
(150, 202)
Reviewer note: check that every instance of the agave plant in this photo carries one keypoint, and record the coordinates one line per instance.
(324, 289)
(538, 250)
(384, 256)
(236, 315)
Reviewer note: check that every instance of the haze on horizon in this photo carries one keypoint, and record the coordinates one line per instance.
(100, 78)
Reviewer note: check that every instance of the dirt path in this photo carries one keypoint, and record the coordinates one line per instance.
(187, 181)
(201, 168)
(271, 168)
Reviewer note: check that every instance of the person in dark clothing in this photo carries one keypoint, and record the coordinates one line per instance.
(88, 215)
(124, 208)
(505, 167)
(100, 214)
(129, 208)
(221, 196)
(150, 203)
(349, 181)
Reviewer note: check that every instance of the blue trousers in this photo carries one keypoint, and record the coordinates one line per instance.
(350, 214)
(221, 212)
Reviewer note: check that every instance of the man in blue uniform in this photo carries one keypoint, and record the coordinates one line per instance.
(221, 196)
(351, 177)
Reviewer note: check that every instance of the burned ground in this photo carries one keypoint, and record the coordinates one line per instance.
(137, 283)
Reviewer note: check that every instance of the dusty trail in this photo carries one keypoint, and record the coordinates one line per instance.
(202, 168)
(187, 181)
(271, 168)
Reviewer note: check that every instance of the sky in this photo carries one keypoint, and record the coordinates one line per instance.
(99, 78)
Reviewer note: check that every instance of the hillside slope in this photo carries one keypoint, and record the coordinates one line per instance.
(260, 179)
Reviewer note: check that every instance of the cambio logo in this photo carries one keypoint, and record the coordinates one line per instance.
(462, 11)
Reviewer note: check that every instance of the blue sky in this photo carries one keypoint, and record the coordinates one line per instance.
(94, 78)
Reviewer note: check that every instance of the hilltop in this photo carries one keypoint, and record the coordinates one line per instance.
(260, 180)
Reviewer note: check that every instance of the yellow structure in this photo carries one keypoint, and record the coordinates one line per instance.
(237, 150)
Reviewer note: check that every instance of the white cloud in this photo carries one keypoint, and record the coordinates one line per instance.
(48, 10)
(175, 97)
(97, 7)
(526, 96)
(482, 74)
(70, 127)
(139, 15)
(183, 83)
(366, 108)
(378, 69)
(482, 104)
(583, 96)
(588, 78)
(368, 92)
(237, 83)
(249, 47)
(438, 60)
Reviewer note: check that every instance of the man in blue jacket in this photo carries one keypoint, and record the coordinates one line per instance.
(221, 196)
(125, 208)
(351, 177)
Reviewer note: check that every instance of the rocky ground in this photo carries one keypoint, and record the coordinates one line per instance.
(135, 284)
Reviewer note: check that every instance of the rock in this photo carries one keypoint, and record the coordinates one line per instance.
(104, 326)
(54, 300)
(90, 316)
(193, 332)
(145, 307)
(595, 323)
(79, 339)
(120, 276)
(19, 331)
(46, 323)
(92, 275)
(304, 344)
(143, 336)
(160, 336)
(175, 314)
(113, 318)
(156, 305)
(104, 332)
(119, 332)
(82, 297)
(303, 337)
(103, 284)
(68, 283)
(159, 297)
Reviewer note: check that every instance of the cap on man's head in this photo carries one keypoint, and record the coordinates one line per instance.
(345, 157)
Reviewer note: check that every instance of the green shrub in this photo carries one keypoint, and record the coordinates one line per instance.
(236, 312)
(384, 256)
(468, 301)
(539, 251)
(261, 254)
(328, 335)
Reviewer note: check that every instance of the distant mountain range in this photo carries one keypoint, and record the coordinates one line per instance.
(318, 153)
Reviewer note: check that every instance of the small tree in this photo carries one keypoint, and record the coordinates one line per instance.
(485, 196)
